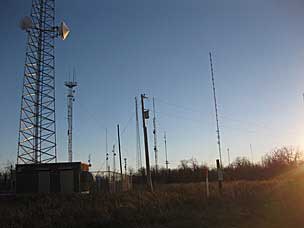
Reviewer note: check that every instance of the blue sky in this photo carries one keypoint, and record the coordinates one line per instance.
(123, 48)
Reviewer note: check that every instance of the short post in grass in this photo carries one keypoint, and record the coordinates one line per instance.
(207, 183)
(219, 176)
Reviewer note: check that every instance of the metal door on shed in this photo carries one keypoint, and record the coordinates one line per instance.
(67, 181)
(26, 182)
(44, 181)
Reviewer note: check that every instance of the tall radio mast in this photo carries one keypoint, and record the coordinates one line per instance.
(37, 128)
(216, 111)
(70, 85)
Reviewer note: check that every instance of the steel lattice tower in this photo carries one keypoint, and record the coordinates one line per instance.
(37, 129)
(70, 85)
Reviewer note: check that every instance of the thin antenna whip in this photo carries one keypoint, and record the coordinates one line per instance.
(155, 138)
(216, 111)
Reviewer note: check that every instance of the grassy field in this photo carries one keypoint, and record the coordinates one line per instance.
(274, 203)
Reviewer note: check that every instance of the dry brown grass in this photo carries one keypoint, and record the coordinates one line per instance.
(275, 203)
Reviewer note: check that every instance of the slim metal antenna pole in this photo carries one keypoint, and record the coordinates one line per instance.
(138, 144)
(126, 177)
(114, 157)
(107, 165)
(155, 138)
(145, 115)
(167, 163)
(125, 159)
(251, 153)
(114, 169)
(216, 112)
(228, 151)
(106, 142)
(107, 154)
(89, 159)
(119, 150)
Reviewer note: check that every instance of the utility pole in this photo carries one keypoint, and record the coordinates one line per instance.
(138, 144)
(155, 138)
(119, 150)
(167, 163)
(145, 115)
(228, 151)
(216, 112)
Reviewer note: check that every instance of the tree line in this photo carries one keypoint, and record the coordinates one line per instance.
(274, 163)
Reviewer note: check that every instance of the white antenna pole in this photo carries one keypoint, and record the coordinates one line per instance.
(70, 85)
